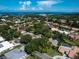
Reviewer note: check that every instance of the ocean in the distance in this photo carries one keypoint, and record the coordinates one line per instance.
(21, 13)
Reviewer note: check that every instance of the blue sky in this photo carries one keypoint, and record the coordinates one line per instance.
(40, 5)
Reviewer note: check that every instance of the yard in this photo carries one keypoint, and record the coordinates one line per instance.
(52, 52)
(33, 57)
(72, 42)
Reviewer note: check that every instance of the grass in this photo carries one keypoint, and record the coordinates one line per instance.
(72, 42)
(52, 52)
(18, 46)
(33, 57)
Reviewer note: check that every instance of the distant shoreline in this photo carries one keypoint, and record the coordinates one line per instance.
(22, 13)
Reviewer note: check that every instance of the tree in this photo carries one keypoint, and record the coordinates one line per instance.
(26, 38)
(37, 45)
(31, 47)
(7, 35)
(48, 34)
(16, 34)
(41, 28)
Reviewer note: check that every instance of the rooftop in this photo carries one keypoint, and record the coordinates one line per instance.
(71, 51)
(1, 39)
(5, 45)
(16, 54)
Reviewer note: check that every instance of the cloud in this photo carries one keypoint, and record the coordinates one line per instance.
(47, 3)
(28, 3)
(40, 5)
(37, 8)
(24, 5)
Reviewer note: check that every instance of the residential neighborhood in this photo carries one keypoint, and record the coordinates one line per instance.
(39, 29)
(33, 36)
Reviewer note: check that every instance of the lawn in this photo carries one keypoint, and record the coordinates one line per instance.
(33, 57)
(72, 42)
(52, 52)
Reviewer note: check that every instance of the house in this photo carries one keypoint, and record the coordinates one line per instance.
(31, 34)
(54, 29)
(5, 45)
(17, 21)
(54, 41)
(3, 19)
(61, 31)
(1, 39)
(74, 36)
(63, 21)
(16, 54)
(36, 36)
(23, 32)
(70, 51)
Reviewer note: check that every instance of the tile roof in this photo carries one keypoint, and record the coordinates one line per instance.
(74, 36)
(71, 51)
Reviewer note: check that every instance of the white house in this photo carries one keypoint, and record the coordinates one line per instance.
(23, 32)
(1, 39)
(60, 31)
(54, 29)
(5, 45)
(3, 19)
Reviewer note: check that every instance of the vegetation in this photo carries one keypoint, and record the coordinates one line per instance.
(33, 57)
(38, 24)
(70, 20)
(25, 39)
(72, 42)
(37, 45)
(8, 33)
(52, 52)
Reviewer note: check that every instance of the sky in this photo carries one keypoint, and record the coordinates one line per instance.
(39, 5)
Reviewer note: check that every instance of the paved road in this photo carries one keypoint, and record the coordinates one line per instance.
(43, 55)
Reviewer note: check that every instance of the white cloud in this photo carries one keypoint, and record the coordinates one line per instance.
(28, 3)
(41, 5)
(47, 3)
(24, 5)
(37, 8)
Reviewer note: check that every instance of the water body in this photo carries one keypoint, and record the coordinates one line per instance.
(22, 13)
